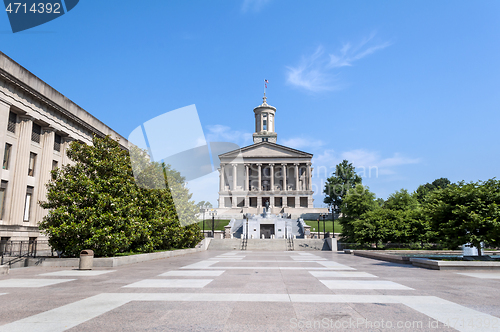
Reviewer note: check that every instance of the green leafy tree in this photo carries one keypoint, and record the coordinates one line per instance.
(337, 186)
(204, 205)
(466, 213)
(358, 201)
(423, 190)
(401, 200)
(93, 201)
(96, 203)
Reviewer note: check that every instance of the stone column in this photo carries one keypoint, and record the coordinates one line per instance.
(67, 141)
(247, 180)
(20, 178)
(309, 177)
(260, 177)
(246, 204)
(235, 173)
(283, 167)
(296, 177)
(284, 202)
(45, 168)
(259, 202)
(221, 184)
(272, 176)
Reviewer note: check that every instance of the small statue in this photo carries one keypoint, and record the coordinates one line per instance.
(267, 206)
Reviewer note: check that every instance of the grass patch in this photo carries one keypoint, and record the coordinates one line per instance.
(328, 226)
(219, 224)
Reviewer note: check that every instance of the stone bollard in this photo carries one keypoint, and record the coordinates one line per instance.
(86, 260)
(263, 237)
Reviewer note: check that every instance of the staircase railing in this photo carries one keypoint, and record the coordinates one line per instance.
(17, 250)
(244, 243)
(289, 243)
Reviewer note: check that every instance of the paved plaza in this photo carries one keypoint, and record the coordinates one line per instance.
(250, 291)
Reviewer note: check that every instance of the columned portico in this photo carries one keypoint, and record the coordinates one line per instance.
(266, 172)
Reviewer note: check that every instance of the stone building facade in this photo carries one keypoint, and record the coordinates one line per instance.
(266, 173)
(37, 123)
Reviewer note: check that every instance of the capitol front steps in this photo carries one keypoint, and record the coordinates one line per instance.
(268, 244)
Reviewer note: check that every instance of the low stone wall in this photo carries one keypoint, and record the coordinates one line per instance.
(108, 261)
(426, 262)
(382, 256)
(4, 269)
(454, 265)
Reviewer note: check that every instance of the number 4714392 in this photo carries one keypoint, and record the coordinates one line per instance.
(39, 8)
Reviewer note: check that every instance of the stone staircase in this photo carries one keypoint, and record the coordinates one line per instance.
(238, 226)
(268, 244)
(296, 230)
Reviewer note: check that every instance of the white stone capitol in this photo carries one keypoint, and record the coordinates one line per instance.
(266, 172)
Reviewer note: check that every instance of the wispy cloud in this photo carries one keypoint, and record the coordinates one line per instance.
(301, 142)
(317, 72)
(311, 75)
(221, 133)
(253, 5)
(369, 163)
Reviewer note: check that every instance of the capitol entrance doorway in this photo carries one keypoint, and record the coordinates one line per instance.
(267, 230)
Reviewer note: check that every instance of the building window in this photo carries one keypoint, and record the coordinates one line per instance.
(265, 139)
(55, 164)
(11, 126)
(57, 142)
(3, 189)
(265, 124)
(27, 204)
(6, 155)
(31, 167)
(36, 132)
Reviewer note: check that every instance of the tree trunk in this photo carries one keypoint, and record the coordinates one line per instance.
(478, 246)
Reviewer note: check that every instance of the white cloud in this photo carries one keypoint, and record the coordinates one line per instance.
(311, 75)
(221, 133)
(367, 163)
(253, 5)
(301, 143)
(315, 73)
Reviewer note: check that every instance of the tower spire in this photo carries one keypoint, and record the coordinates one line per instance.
(264, 99)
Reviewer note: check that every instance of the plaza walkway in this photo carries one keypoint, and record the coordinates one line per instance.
(250, 291)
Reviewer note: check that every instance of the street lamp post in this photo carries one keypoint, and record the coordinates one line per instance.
(324, 228)
(332, 210)
(247, 226)
(318, 229)
(213, 213)
(202, 210)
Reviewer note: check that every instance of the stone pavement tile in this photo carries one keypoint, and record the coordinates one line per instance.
(307, 288)
(161, 316)
(170, 283)
(275, 314)
(76, 273)
(30, 283)
(341, 274)
(394, 316)
(482, 275)
(363, 284)
(325, 317)
(192, 273)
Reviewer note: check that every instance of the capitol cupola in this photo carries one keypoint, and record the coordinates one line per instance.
(264, 123)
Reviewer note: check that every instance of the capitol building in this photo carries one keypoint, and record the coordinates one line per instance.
(266, 174)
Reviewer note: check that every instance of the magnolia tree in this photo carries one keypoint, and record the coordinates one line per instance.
(96, 203)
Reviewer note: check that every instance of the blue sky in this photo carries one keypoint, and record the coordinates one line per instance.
(409, 89)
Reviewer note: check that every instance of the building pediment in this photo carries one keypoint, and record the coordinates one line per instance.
(266, 150)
